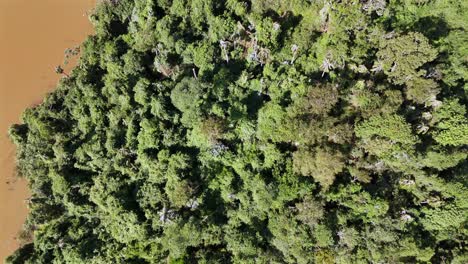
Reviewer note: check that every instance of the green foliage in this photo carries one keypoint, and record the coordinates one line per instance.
(389, 127)
(360, 203)
(421, 91)
(443, 160)
(400, 57)
(451, 124)
(263, 131)
(321, 165)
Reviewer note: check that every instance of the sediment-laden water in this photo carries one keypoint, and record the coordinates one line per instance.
(33, 38)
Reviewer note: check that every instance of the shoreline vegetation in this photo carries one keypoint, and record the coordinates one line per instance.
(202, 131)
(33, 36)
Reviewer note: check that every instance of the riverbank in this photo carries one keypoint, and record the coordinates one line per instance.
(34, 37)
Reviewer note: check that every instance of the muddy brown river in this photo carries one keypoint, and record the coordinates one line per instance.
(33, 37)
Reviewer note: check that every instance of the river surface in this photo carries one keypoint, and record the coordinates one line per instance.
(33, 37)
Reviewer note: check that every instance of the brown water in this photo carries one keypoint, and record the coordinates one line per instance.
(33, 37)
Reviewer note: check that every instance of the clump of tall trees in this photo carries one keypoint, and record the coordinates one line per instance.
(253, 131)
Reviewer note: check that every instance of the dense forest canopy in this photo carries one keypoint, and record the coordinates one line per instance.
(254, 131)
